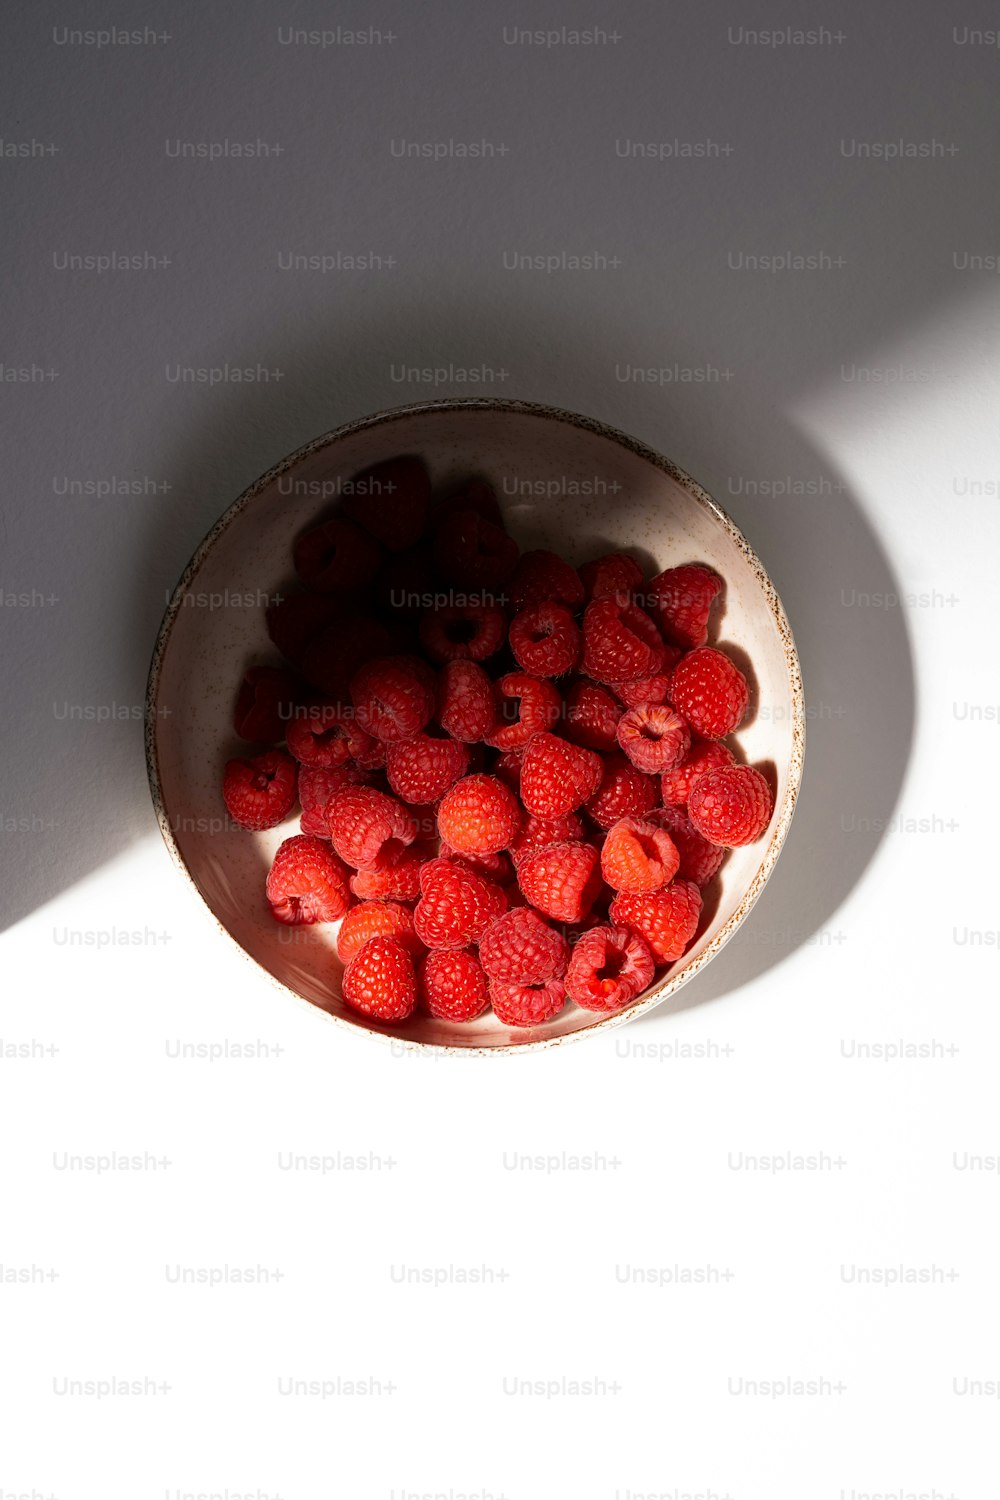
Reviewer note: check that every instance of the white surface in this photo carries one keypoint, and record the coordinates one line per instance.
(861, 938)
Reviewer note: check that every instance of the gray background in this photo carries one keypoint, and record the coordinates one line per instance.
(754, 342)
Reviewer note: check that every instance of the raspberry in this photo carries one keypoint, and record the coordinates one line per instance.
(615, 573)
(479, 815)
(394, 696)
(453, 984)
(522, 948)
(366, 825)
(731, 806)
(538, 832)
(455, 906)
(463, 632)
(592, 715)
(259, 792)
(508, 769)
(709, 691)
(653, 737)
(647, 689)
(680, 601)
(542, 576)
(294, 620)
(624, 792)
(307, 882)
(496, 867)
(620, 643)
(526, 1004)
(395, 874)
(666, 920)
(316, 786)
(376, 919)
(638, 856)
(561, 880)
(537, 704)
(477, 495)
(336, 555)
(422, 769)
(700, 861)
(266, 699)
(545, 639)
(610, 966)
(380, 980)
(325, 735)
(465, 701)
(557, 777)
(404, 580)
(332, 657)
(473, 553)
(704, 755)
(390, 501)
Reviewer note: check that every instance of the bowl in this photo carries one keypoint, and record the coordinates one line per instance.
(565, 482)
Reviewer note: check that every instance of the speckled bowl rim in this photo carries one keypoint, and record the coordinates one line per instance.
(677, 979)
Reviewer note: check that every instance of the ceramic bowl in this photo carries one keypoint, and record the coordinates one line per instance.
(564, 482)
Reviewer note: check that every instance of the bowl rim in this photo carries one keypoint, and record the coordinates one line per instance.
(677, 979)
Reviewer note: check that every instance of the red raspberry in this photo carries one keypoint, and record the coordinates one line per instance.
(526, 1004)
(316, 786)
(700, 860)
(545, 639)
(614, 573)
(390, 501)
(610, 966)
(363, 821)
(537, 704)
(259, 792)
(264, 706)
(336, 555)
(332, 657)
(380, 980)
(307, 882)
(653, 737)
(561, 880)
(463, 632)
(477, 495)
(465, 701)
(455, 906)
(624, 792)
(294, 620)
(422, 769)
(704, 755)
(376, 919)
(592, 715)
(648, 689)
(496, 867)
(406, 583)
(394, 696)
(538, 832)
(680, 601)
(666, 920)
(731, 806)
(557, 777)
(395, 875)
(473, 553)
(522, 948)
(709, 691)
(508, 769)
(453, 984)
(638, 856)
(620, 643)
(479, 815)
(541, 576)
(327, 735)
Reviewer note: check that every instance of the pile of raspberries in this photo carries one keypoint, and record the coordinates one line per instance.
(512, 774)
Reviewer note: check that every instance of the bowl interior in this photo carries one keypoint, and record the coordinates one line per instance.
(563, 483)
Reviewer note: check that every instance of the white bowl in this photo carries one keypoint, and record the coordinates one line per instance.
(564, 482)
